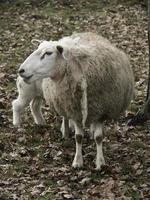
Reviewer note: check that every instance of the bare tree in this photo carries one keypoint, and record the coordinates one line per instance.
(144, 113)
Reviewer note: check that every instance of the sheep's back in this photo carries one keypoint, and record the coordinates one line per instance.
(110, 83)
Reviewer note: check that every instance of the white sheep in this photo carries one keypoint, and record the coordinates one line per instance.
(29, 94)
(89, 80)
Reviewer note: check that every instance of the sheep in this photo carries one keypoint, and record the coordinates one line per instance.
(89, 80)
(28, 94)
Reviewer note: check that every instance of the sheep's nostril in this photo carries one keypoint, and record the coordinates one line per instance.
(21, 71)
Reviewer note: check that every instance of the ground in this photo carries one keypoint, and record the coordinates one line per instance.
(36, 164)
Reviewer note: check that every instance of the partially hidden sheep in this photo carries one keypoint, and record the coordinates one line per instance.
(28, 94)
(89, 80)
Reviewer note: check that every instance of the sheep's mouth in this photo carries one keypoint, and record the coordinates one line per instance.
(27, 78)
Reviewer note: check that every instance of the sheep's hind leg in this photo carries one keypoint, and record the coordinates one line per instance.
(71, 125)
(78, 159)
(36, 106)
(65, 128)
(98, 137)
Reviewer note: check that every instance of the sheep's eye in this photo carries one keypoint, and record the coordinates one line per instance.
(46, 53)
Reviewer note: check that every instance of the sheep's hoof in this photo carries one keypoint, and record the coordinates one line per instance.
(99, 165)
(18, 127)
(16, 124)
(77, 163)
(101, 168)
(98, 168)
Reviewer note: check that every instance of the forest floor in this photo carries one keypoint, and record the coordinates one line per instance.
(36, 164)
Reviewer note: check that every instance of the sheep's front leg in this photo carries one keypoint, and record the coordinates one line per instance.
(35, 107)
(78, 159)
(98, 137)
(18, 106)
(25, 96)
(65, 128)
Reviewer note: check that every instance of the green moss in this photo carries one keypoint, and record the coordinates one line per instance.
(49, 182)
(137, 144)
(20, 167)
(48, 196)
(134, 195)
(5, 196)
(126, 169)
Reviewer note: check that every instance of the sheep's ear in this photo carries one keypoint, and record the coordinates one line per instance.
(36, 42)
(62, 52)
(60, 49)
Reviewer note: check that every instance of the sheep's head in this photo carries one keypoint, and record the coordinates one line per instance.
(46, 61)
(42, 62)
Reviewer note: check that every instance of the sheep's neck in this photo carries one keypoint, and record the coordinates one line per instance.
(57, 76)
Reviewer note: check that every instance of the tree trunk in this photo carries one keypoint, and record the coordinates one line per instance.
(144, 114)
(148, 88)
